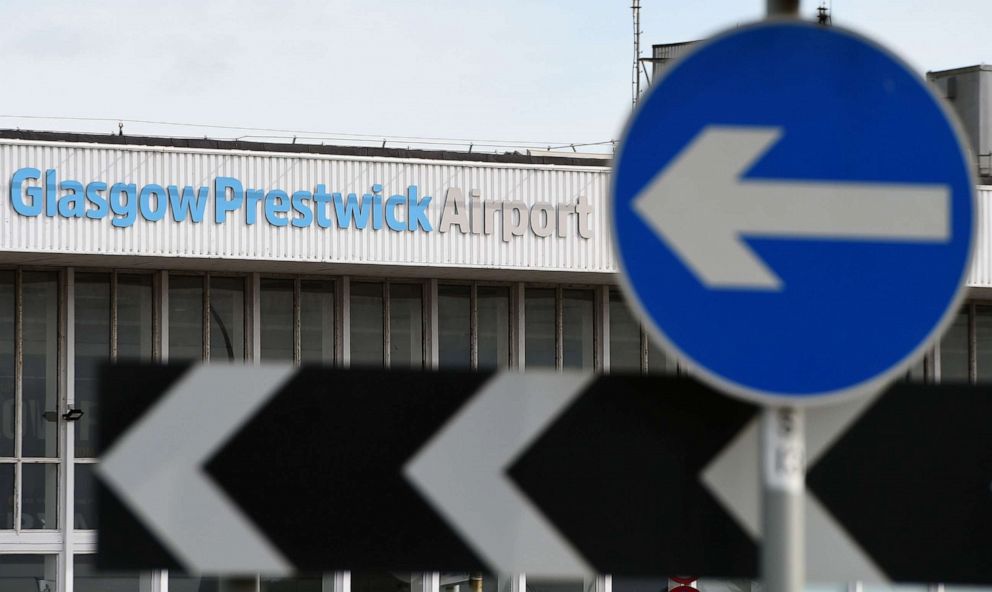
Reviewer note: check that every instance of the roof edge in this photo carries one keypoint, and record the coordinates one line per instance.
(303, 149)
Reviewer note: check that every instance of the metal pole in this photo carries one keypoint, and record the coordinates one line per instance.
(783, 7)
(783, 460)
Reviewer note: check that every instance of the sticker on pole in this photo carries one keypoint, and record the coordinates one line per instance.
(794, 213)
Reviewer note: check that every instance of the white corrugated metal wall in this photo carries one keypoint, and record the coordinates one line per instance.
(236, 240)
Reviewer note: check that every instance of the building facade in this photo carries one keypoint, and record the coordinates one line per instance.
(123, 248)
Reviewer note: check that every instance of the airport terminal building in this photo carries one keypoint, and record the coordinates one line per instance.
(122, 247)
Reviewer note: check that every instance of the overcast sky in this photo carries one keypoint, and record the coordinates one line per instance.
(509, 70)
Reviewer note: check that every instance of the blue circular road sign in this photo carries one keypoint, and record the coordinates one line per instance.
(793, 212)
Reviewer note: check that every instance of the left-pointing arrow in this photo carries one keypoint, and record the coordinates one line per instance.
(156, 469)
(489, 510)
(703, 205)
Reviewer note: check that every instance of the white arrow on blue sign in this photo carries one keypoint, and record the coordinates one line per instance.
(794, 213)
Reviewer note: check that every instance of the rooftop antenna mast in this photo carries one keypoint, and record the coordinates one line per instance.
(636, 71)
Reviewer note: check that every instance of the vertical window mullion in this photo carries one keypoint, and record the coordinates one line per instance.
(113, 316)
(972, 345)
(559, 329)
(205, 321)
(386, 342)
(297, 327)
(473, 325)
(18, 392)
(644, 351)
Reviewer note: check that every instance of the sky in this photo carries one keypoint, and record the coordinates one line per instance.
(451, 72)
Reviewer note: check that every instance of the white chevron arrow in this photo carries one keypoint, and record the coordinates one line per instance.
(156, 469)
(703, 207)
(462, 471)
(734, 478)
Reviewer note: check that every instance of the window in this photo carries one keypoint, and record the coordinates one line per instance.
(113, 319)
(28, 573)
(473, 326)
(983, 342)
(539, 329)
(578, 329)
(227, 318)
(406, 326)
(317, 314)
(625, 337)
(276, 302)
(454, 321)
(954, 350)
(224, 299)
(367, 333)
(29, 452)
(559, 328)
(86, 578)
(402, 346)
(185, 318)
(493, 326)
(297, 320)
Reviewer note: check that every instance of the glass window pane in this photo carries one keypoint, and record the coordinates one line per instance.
(227, 319)
(454, 312)
(380, 582)
(276, 319)
(406, 326)
(6, 496)
(39, 482)
(85, 578)
(983, 341)
(539, 327)
(578, 329)
(954, 351)
(92, 349)
(317, 321)
(625, 337)
(493, 326)
(185, 318)
(367, 335)
(538, 585)
(658, 360)
(300, 583)
(6, 363)
(135, 303)
(179, 582)
(27, 573)
(84, 517)
(40, 387)
(916, 372)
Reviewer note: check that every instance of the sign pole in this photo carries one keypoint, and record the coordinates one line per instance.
(783, 454)
(783, 468)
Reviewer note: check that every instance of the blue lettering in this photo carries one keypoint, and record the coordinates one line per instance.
(188, 202)
(276, 203)
(254, 197)
(51, 199)
(390, 212)
(17, 195)
(376, 206)
(72, 204)
(93, 196)
(222, 205)
(124, 204)
(416, 214)
(350, 212)
(145, 202)
(322, 198)
(301, 208)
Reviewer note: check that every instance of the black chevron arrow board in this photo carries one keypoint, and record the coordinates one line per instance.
(221, 469)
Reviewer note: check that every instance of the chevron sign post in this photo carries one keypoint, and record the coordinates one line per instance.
(241, 469)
